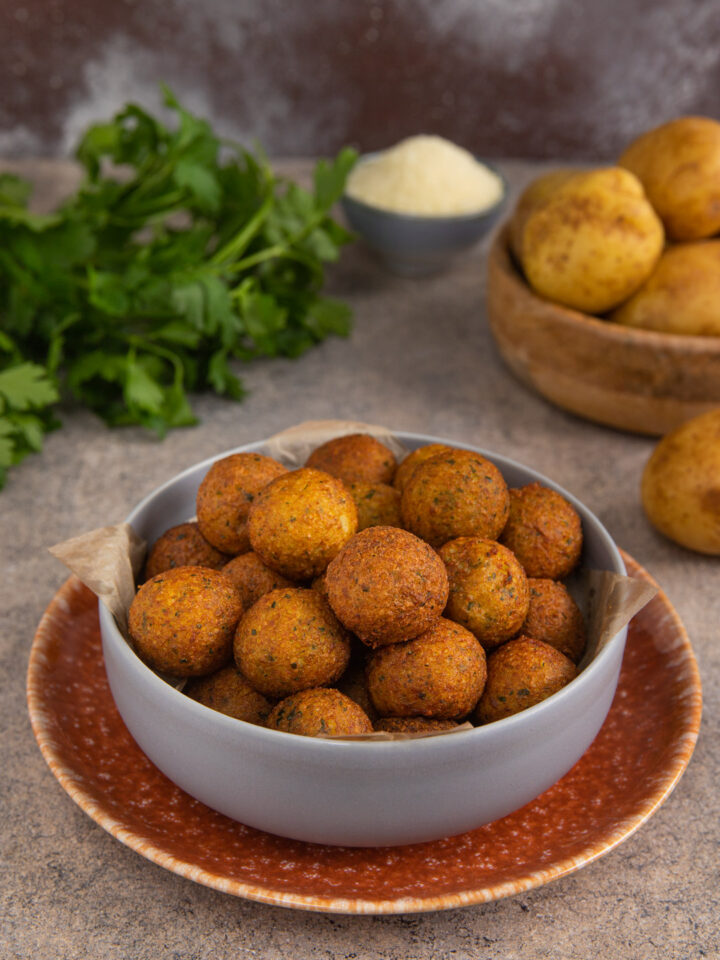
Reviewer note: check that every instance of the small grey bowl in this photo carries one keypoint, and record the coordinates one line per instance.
(414, 246)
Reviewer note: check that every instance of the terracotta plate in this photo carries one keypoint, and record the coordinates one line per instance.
(631, 767)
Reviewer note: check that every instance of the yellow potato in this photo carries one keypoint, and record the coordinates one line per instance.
(533, 197)
(682, 294)
(678, 164)
(594, 241)
(681, 484)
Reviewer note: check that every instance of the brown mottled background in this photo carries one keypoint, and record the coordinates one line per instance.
(525, 78)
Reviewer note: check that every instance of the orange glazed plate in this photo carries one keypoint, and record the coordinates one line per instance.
(632, 765)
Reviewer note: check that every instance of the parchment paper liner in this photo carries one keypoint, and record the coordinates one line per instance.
(108, 561)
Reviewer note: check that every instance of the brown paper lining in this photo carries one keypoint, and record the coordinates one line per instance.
(108, 561)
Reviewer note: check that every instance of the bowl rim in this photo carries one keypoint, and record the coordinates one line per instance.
(622, 333)
(416, 218)
(262, 735)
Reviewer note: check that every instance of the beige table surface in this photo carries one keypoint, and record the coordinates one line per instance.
(420, 359)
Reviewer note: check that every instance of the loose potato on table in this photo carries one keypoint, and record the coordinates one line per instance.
(681, 484)
(682, 295)
(544, 531)
(593, 242)
(300, 521)
(387, 586)
(183, 620)
(182, 546)
(355, 457)
(521, 673)
(226, 495)
(678, 164)
(290, 641)
(488, 589)
(439, 674)
(455, 494)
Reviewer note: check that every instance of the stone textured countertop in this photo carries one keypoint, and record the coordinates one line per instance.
(420, 358)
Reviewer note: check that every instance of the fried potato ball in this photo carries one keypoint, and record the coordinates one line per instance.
(387, 586)
(489, 592)
(226, 494)
(544, 532)
(416, 457)
(228, 692)
(357, 457)
(353, 684)
(377, 505)
(439, 674)
(289, 641)
(413, 724)
(182, 621)
(521, 673)
(182, 546)
(300, 521)
(555, 618)
(252, 578)
(320, 711)
(456, 494)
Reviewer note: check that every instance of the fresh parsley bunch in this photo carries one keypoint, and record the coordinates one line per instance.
(178, 254)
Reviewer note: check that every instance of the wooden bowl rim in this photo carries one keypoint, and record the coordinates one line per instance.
(635, 336)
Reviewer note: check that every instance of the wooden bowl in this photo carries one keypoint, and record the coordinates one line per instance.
(635, 380)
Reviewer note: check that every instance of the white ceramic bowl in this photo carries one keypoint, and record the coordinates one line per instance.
(359, 793)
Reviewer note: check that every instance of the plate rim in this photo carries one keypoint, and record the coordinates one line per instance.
(151, 851)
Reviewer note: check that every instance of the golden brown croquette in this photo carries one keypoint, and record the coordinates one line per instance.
(228, 692)
(521, 673)
(182, 546)
(415, 457)
(377, 505)
(182, 621)
(488, 589)
(554, 617)
(387, 585)
(226, 494)
(290, 640)
(456, 494)
(439, 674)
(355, 457)
(544, 532)
(252, 578)
(300, 521)
(413, 725)
(323, 711)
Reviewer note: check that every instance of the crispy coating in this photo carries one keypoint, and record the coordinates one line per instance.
(544, 532)
(227, 691)
(289, 641)
(521, 673)
(357, 457)
(377, 505)
(456, 494)
(252, 578)
(353, 684)
(439, 674)
(300, 521)
(387, 586)
(226, 494)
(182, 546)
(182, 621)
(415, 457)
(554, 617)
(413, 724)
(321, 711)
(488, 589)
